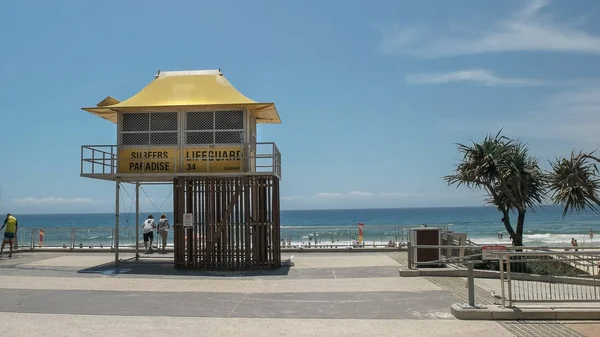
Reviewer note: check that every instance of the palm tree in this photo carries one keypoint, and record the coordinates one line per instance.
(574, 182)
(504, 169)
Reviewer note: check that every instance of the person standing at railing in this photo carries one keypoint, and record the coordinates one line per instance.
(10, 233)
(148, 228)
(163, 228)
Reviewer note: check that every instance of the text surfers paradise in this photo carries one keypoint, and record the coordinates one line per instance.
(163, 160)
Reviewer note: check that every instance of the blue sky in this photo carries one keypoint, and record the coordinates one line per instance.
(373, 95)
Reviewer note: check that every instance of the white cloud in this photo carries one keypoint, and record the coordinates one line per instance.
(528, 29)
(344, 195)
(477, 76)
(399, 194)
(54, 201)
(360, 194)
(328, 195)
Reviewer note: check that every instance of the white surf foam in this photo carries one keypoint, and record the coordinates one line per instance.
(545, 239)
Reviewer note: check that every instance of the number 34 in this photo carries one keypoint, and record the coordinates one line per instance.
(191, 167)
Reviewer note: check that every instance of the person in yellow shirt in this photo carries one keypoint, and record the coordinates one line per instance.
(9, 234)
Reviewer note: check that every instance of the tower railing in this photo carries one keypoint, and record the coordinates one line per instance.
(105, 161)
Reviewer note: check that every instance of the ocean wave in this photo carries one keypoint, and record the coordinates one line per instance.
(541, 239)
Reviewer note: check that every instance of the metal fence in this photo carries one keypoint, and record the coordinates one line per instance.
(526, 274)
(549, 276)
(71, 238)
(392, 236)
(292, 237)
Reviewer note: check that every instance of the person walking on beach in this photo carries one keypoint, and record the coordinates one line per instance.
(9, 234)
(163, 228)
(148, 228)
(574, 243)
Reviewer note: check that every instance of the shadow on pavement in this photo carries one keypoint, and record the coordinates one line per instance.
(166, 268)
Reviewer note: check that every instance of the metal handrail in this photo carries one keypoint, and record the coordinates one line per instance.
(538, 249)
(546, 253)
(349, 226)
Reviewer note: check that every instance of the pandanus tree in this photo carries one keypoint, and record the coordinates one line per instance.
(574, 182)
(515, 183)
(510, 176)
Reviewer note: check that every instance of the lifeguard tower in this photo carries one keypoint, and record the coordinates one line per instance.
(194, 130)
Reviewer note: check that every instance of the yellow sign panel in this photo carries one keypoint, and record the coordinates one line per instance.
(143, 160)
(169, 160)
(218, 159)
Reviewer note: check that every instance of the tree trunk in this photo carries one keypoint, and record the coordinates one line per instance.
(518, 238)
(507, 225)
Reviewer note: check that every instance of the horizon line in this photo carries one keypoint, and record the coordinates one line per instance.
(294, 210)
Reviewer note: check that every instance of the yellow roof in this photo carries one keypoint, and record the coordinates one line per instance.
(205, 89)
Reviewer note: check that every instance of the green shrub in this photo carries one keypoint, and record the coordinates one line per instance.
(543, 265)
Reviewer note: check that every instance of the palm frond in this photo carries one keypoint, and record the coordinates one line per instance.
(574, 183)
(505, 166)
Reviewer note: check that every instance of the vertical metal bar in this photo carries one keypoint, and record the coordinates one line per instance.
(200, 209)
(73, 231)
(112, 240)
(232, 202)
(117, 190)
(189, 208)
(176, 225)
(595, 281)
(410, 255)
(565, 290)
(471, 283)
(197, 222)
(82, 159)
(32, 238)
(521, 292)
(578, 290)
(93, 161)
(502, 293)
(535, 294)
(137, 220)
(588, 259)
(276, 209)
(510, 299)
(247, 220)
(550, 291)
(238, 224)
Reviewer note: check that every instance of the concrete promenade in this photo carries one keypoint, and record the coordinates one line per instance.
(336, 294)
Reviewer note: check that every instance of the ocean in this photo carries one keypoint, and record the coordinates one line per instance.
(545, 227)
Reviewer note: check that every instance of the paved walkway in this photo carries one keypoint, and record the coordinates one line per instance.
(337, 294)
